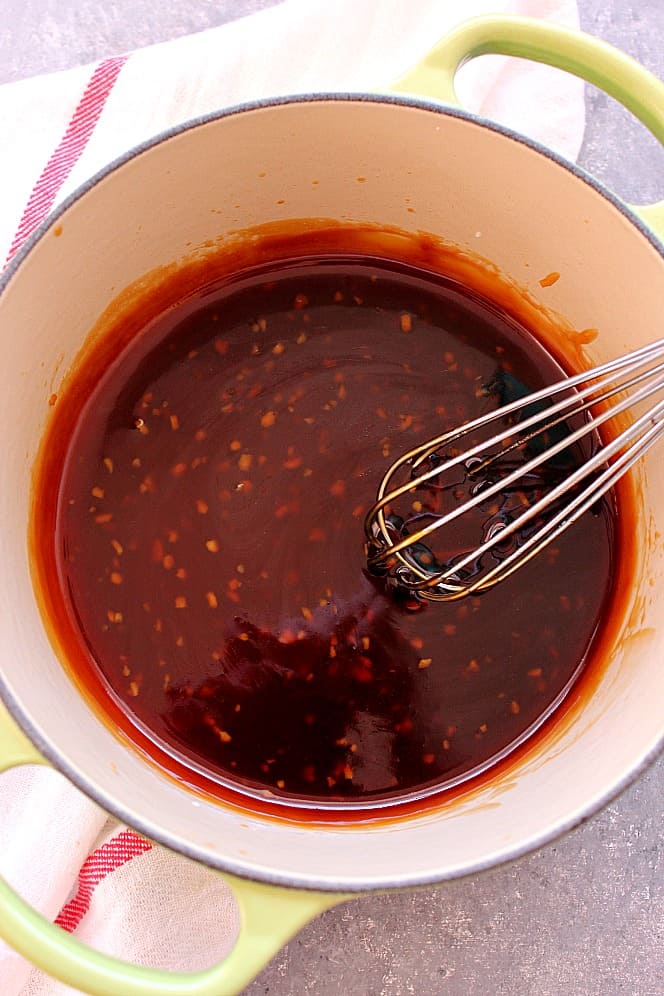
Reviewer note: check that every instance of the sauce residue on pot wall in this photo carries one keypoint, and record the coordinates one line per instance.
(197, 525)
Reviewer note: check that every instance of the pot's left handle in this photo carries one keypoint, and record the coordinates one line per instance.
(576, 52)
(269, 918)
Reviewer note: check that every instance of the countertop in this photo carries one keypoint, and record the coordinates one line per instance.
(583, 916)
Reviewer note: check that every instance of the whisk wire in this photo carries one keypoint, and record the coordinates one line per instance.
(604, 467)
(558, 522)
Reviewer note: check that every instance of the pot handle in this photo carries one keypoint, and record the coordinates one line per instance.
(541, 41)
(269, 917)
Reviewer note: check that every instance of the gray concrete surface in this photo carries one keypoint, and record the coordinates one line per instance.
(583, 917)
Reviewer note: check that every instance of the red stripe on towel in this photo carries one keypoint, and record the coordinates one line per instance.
(70, 148)
(111, 855)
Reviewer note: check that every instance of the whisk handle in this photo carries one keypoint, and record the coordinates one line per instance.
(578, 53)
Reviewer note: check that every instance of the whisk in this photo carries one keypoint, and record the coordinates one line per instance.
(550, 487)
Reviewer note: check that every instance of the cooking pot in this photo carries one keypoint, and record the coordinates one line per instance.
(476, 185)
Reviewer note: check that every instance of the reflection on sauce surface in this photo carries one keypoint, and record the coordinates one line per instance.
(208, 557)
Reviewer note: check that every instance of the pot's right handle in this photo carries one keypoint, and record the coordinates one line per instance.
(541, 41)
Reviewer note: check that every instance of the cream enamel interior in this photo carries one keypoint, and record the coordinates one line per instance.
(472, 185)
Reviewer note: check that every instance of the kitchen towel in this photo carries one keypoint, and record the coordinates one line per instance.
(96, 878)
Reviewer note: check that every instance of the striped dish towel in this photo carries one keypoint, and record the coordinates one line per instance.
(114, 889)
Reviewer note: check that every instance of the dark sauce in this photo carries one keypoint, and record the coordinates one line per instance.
(208, 541)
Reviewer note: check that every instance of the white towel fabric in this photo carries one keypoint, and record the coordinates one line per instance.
(58, 849)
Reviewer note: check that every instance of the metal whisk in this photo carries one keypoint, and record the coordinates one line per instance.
(517, 477)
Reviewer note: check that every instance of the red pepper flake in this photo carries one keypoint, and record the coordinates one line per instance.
(147, 485)
(348, 772)
(168, 561)
(268, 419)
(302, 338)
(281, 783)
(211, 599)
(175, 422)
(200, 435)
(293, 463)
(309, 773)
(52, 400)
(417, 642)
(405, 422)
(235, 445)
(406, 322)
(114, 617)
(116, 577)
(317, 535)
(173, 536)
(515, 708)
(428, 758)
(281, 511)
(104, 518)
(586, 336)
(405, 726)
(179, 469)
(181, 574)
(357, 511)
(473, 665)
(424, 662)
(201, 506)
(550, 279)
(300, 302)
(363, 672)
(278, 348)
(133, 688)
(338, 489)
(108, 463)
(212, 545)
(535, 672)
(221, 346)
(225, 737)
(117, 546)
(97, 492)
(307, 613)
(180, 602)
